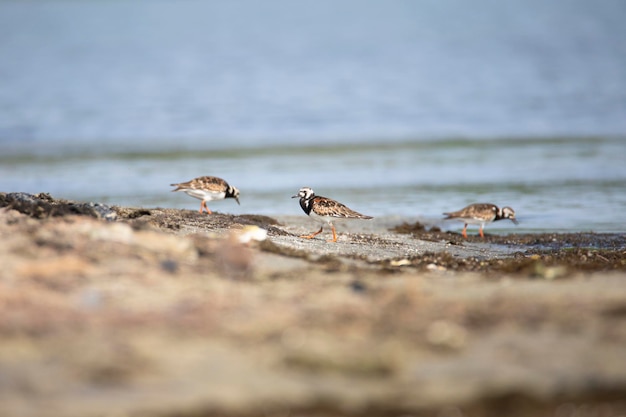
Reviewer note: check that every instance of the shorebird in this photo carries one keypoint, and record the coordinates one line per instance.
(324, 210)
(481, 213)
(208, 189)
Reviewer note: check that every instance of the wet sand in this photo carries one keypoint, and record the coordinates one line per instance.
(160, 312)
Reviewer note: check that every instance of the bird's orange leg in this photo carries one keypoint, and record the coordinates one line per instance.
(203, 205)
(464, 232)
(312, 235)
(480, 231)
(334, 234)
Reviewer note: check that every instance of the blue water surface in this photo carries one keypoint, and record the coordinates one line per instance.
(404, 108)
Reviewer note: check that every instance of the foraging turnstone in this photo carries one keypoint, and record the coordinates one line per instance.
(481, 213)
(324, 210)
(207, 189)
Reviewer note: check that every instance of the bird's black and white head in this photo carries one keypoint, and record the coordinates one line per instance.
(508, 213)
(233, 192)
(305, 193)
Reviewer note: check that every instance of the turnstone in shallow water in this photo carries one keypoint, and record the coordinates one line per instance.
(481, 213)
(324, 210)
(208, 189)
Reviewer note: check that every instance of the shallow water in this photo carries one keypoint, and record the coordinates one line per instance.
(553, 184)
(406, 109)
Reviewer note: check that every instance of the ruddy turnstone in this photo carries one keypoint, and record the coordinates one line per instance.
(324, 210)
(208, 189)
(481, 213)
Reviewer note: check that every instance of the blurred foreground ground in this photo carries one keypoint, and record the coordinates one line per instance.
(158, 312)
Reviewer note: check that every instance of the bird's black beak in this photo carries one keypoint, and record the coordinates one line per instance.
(295, 196)
(514, 220)
(237, 199)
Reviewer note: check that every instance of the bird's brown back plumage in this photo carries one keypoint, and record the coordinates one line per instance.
(205, 183)
(474, 211)
(323, 206)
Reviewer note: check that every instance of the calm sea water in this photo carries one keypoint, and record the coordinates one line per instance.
(400, 109)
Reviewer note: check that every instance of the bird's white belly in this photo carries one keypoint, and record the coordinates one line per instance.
(475, 221)
(206, 195)
(323, 219)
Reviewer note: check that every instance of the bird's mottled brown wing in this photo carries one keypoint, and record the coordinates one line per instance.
(474, 211)
(203, 183)
(323, 206)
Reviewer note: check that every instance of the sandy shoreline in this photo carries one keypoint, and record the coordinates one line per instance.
(161, 312)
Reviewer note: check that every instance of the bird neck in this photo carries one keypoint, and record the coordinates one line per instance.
(306, 204)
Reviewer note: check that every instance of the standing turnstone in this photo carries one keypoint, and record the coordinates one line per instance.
(481, 213)
(324, 210)
(207, 189)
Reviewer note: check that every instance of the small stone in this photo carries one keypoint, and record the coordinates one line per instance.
(435, 267)
(248, 234)
(400, 262)
(358, 286)
(447, 334)
(170, 266)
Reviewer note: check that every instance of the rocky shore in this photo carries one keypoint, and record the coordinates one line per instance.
(121, 311)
